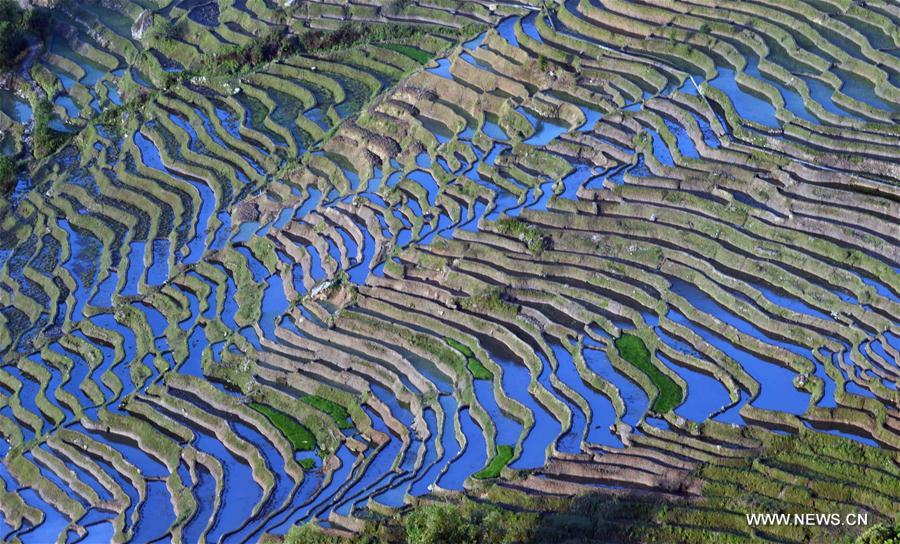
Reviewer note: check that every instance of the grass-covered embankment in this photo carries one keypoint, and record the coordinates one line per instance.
(803, 473)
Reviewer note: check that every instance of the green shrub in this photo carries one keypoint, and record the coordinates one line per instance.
(308, 533)
(533, 237)
(880, 534)
(353, 34)
(11, 43)
(7, 175)
(46, 140)
(468, 523)
(438, 523)
(15, 25)
(166, 29)
(394, 7)
(489, 301)
(281, 43)
(272, 46)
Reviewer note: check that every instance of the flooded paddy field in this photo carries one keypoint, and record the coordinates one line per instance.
(326, 263)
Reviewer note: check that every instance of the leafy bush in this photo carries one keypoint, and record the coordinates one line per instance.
(307, 463)
(46, 140)
(281, 43)
(535, 240)
(166, 29)
(7, 175)
(438, 523)
(881, 534)
(468, 523)
(394, 7)
(352, 34)
(308, 533)
(11, 43)
(489, 301)
(15, 23)
(274, 45)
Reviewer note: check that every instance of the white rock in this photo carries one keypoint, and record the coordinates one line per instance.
(142, 24)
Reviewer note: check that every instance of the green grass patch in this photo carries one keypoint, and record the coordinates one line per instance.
(333, 409)
(307, 463)
(476, 367)
(533, 237)
(492, 470)
(478, 370)
(489, 301)
(298, 435)
(633, 350)
(416, 54)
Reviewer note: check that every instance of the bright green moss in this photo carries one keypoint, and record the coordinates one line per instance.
(492, 470)
(333, 409)
(633, 350)
(476, 367)
(307, 464)
(298, 435)
(416, 54)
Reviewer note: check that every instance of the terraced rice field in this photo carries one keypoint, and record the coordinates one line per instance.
(524, 249)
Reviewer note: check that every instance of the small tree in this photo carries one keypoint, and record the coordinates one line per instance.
(7, 175)
(10, 40)
(166, 29)
(431, 524)
(46, 140)
(394, 7)
(11, 43)
(15, 23)
(881, 534)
